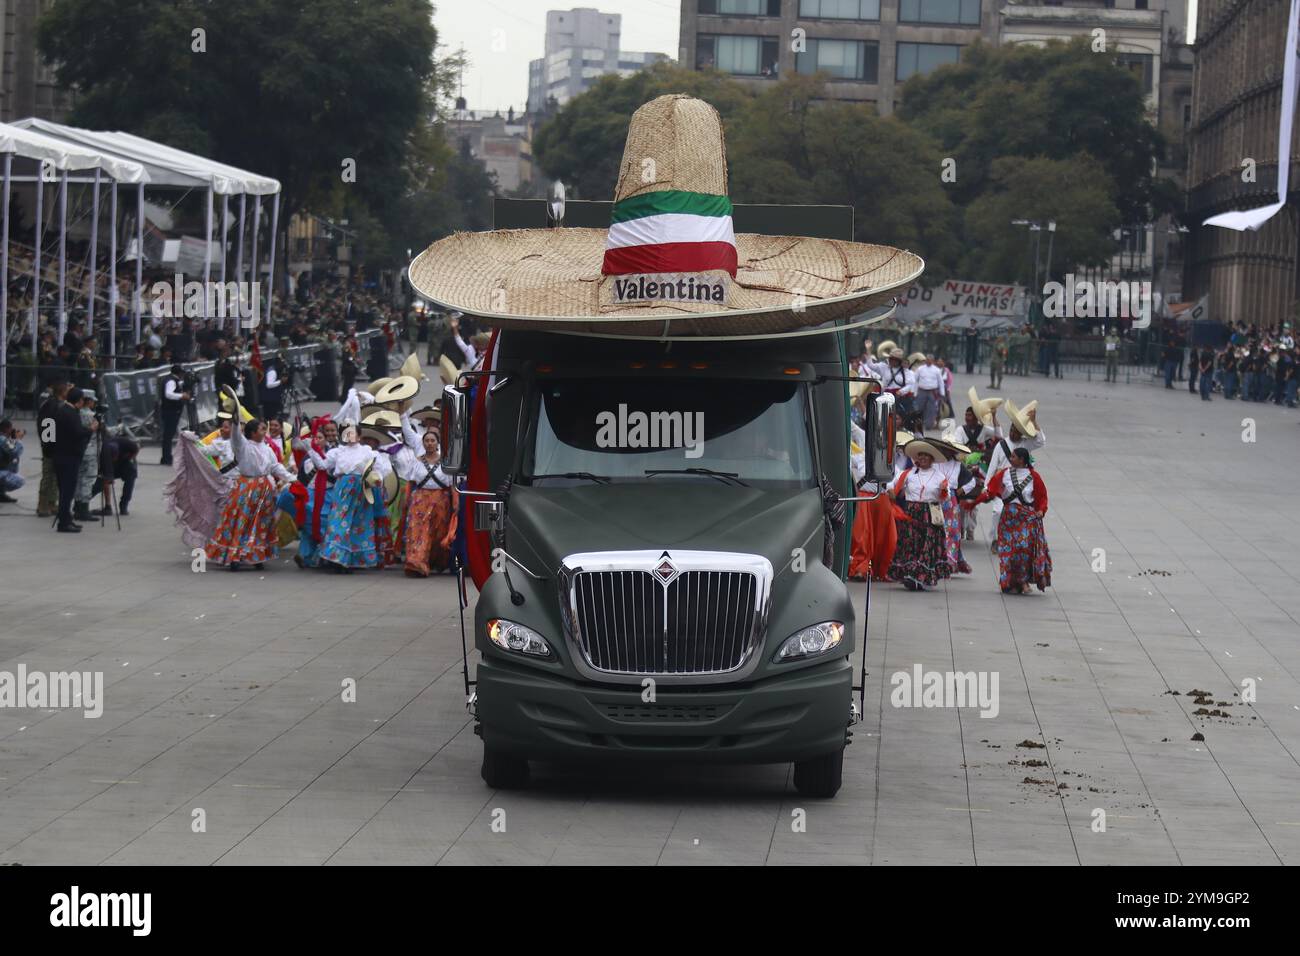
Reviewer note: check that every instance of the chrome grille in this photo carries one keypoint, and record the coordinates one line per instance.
(627, 620)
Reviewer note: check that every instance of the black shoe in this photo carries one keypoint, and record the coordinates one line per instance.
(233, 566)
(104, 512)
(259, 566)
(297, 559)
(123, 510)
(69, 529)
(6, 500)
(165, 461)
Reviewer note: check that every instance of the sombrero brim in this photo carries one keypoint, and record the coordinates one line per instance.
(397, 390)
(378, 384)
(551, 279)
(376, 434)
(918, 446)
(383, 419)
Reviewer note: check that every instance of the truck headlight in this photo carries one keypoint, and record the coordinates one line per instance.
(510, 636)
(811, 641)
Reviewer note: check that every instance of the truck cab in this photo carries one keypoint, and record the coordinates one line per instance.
(669, 536)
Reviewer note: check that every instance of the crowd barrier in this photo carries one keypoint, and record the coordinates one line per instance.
(129, 400)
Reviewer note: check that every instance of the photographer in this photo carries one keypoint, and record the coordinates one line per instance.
(11, 455)
(177, 393)
(117, 460)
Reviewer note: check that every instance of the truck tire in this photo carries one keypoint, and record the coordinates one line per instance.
(503, 771)
(820, 777)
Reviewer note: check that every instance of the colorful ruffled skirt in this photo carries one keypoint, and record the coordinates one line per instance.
(1023, 556)
(952, 530)
(921, 553)
(246, 531)
(428, 519)
(357, 533)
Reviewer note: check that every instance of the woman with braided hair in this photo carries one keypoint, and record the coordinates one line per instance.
(1023, 556)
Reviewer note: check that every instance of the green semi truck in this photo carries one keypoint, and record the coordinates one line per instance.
(669, 528)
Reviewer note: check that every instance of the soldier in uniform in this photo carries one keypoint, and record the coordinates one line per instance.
(997, 361)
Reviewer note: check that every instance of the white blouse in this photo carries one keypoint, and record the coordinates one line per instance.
(1013, 476)
(256, 459)
(350, 460)
(952, 471)
(924, 485)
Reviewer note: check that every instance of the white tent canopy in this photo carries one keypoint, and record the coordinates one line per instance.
(167, 166)
(65, 156)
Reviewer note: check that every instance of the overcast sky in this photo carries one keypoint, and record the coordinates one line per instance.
(497, 77)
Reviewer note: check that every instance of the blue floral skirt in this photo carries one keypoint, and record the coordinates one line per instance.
(357, 533)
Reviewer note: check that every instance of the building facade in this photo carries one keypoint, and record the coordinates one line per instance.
(582, 45)
(1233, 164)
(27, 84)
(503, 143)
(868, 47)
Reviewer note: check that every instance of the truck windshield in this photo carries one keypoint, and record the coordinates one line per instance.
(671, 430)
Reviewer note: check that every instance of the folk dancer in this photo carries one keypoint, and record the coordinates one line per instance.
(1023, 556)
(920, 559)
(246, 531)
(356, 533)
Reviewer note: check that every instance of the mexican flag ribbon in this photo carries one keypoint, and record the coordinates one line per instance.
(670, 231)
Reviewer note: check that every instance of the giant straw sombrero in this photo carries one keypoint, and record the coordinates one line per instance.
(670, 263)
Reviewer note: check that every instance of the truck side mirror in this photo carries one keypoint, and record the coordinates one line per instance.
(454, 431)
(880, 437)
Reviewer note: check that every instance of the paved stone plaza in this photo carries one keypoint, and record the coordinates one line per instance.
(223, 691)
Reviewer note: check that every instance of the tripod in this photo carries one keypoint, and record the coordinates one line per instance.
(107, 482)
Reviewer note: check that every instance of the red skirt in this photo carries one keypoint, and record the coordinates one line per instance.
(875, 536)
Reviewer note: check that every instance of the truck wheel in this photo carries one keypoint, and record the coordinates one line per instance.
(502, 771)
(820, 777)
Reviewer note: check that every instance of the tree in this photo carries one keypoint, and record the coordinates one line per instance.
(1058, 102)
(285, 88)
(1076, 193)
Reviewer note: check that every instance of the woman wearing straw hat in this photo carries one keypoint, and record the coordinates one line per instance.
(1023, 556)
(920, 560)
(433, 502)
(245, 533)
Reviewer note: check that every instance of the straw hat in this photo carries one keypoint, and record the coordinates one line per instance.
(369, 478)
(950, 443)
(915, 359)
(919, 446)
(885, 348)
(902, 437)
(430, 416)
(376, 434)
(1020, 418)
(397, 390)
(412, 368)
(448, 370)
(383, 418)
(861, 386)
(670, 262)
(983, 407)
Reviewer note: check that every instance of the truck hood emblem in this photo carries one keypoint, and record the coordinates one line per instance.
(664, 569)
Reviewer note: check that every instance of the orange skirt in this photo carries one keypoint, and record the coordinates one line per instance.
(875, 536)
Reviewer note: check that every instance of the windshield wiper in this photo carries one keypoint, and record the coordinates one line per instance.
(580, 475)
(726, 477)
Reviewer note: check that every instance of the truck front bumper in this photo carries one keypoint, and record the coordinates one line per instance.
(793, 716)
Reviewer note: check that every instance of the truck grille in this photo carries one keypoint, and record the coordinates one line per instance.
(632, 621)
